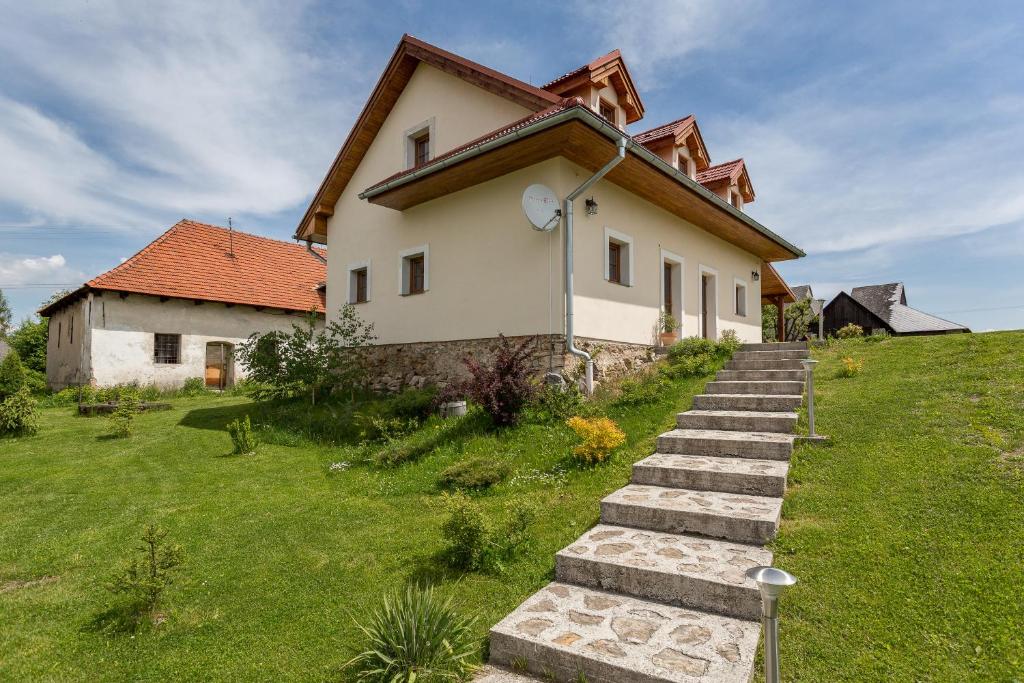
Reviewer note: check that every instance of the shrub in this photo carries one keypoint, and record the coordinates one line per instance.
(193, 386)
(502, 388)
(849, 331)
(877, 336)
(475, 473)
(241, 436)
(12, 375)
(29, 340)
(413, 403)
(415, 636)
(147, 574)
(799, 317)
(850, 367)
(599, 437)
(728, 344)
(553, 403)
(18, 415)
(123, 417)
(642, 390)
(472, 543)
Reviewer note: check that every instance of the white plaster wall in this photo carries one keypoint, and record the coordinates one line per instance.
(123, 334)
(67, 357)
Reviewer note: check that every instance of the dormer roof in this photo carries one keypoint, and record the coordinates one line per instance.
(730, 173)
(603, 71)
(682, 131)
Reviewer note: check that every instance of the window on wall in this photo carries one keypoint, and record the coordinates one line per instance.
(421, 149)
(415, 271)
(359, 282)
(741, 298)
(684, 166)
(166, 348)
(737, 200)
(419, 144)
(618, 261)
(607, 110)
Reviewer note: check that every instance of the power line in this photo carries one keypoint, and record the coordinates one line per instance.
(38, 285)
(979, 310)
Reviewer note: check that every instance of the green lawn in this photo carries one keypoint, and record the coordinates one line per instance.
(907, 532)
(280, 552)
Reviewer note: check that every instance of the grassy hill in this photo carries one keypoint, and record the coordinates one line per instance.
(905, 532)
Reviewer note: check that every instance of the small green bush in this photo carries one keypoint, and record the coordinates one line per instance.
(376, 425)
(241, 436)
(12, 375)
(697, 357)
(850, 331)
(475, 473)
(193, 386)
(146, 575)
(123, 418)
(641, 390)
(18, 416)
(598, 436)
(557, 404)
(877, 337)
(728, 344)
(413, 637)
(474, 544)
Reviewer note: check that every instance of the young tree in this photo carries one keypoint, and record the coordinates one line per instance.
(769, 323)
(307, 360)
(29, 340)
(12, 375)
(799, 317)
(5, 316)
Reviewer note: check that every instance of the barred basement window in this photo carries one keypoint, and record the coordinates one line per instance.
(167, 348)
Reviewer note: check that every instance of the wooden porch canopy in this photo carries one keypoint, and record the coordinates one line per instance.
(583, 138)
(774, 290)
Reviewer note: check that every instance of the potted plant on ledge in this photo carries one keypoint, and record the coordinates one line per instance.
(668, 325)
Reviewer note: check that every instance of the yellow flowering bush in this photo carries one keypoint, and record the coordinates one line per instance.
(851, 367)
(599, 436)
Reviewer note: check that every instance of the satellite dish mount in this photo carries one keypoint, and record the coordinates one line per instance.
(541, 207)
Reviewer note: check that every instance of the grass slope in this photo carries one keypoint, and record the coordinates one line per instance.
(907, 532)
(280, 552)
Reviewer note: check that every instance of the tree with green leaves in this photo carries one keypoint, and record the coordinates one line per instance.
(307, 360)
(29, 340)
(12, 375)
(5, 316)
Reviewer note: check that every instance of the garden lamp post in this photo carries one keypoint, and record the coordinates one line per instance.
(771, 581)
(809, 371)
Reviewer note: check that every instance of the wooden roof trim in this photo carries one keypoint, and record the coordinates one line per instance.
(607, 70)
(773, 285)
(408, 54)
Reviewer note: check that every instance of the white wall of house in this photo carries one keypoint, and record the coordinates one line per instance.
(122, 333)
(67, 344)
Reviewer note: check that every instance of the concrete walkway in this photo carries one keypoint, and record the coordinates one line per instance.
(657, 591)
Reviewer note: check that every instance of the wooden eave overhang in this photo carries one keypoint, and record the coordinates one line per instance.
(583, 137)
(409, 53)
(602, 72)
(773, 287)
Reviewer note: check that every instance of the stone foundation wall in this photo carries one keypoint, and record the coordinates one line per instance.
(393, 367)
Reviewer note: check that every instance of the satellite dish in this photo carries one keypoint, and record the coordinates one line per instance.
(541, 207)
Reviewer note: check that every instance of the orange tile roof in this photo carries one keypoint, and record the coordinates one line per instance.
(728, 171)
(663, 131)
(194, 261)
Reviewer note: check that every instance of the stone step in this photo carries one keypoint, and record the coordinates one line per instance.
(775, 346)
(773, 364)
(755, 387)
(565, 633)
(708, 473)
(493, 674)
(737, 420)
(732, 516)
(724, 443)
(759, 402)
(771, 355)
(689, 571)
(760, 375)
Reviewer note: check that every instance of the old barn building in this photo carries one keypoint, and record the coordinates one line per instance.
(177, 309)
(883, 307)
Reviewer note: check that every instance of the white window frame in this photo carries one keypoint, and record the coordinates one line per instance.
(627, 241)
(416, 131)
(350, 295)
(677, 260)
(403, 280)
(701, 270)
(737, 282)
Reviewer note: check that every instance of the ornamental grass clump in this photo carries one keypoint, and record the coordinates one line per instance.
(415, 636)
(599, 436)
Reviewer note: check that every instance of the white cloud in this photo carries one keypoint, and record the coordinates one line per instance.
(185, 108)
(36, 270)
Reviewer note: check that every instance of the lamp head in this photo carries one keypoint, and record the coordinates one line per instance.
(771, 580)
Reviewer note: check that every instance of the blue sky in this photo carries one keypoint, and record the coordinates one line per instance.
(885, 138)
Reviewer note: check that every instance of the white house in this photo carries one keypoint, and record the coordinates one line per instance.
(177, 309)
(422, 214)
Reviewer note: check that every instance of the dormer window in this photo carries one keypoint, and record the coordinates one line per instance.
(684, 166)
(419, 144)
(421, 147)
(607, 110)
(736, 199)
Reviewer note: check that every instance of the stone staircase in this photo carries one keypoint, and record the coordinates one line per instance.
(657, 590)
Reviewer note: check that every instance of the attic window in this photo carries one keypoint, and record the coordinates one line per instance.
(607, 110)
(421, 147)
(737, 199)
(419, 144)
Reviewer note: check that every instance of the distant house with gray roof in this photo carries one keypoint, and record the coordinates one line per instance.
(884, 307)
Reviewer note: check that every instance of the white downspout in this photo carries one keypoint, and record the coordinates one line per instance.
(569, 336)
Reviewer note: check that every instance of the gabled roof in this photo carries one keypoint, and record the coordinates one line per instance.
(802, 292)
(409, 54)
(609, 69)
(889, 302)
(209, 263)
(681, 131)
(730, 172)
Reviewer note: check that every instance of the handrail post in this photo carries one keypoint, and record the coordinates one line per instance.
(771, 581)
(809, 372)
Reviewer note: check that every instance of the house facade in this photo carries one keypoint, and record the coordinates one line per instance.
(422, 216)
(179, 307)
